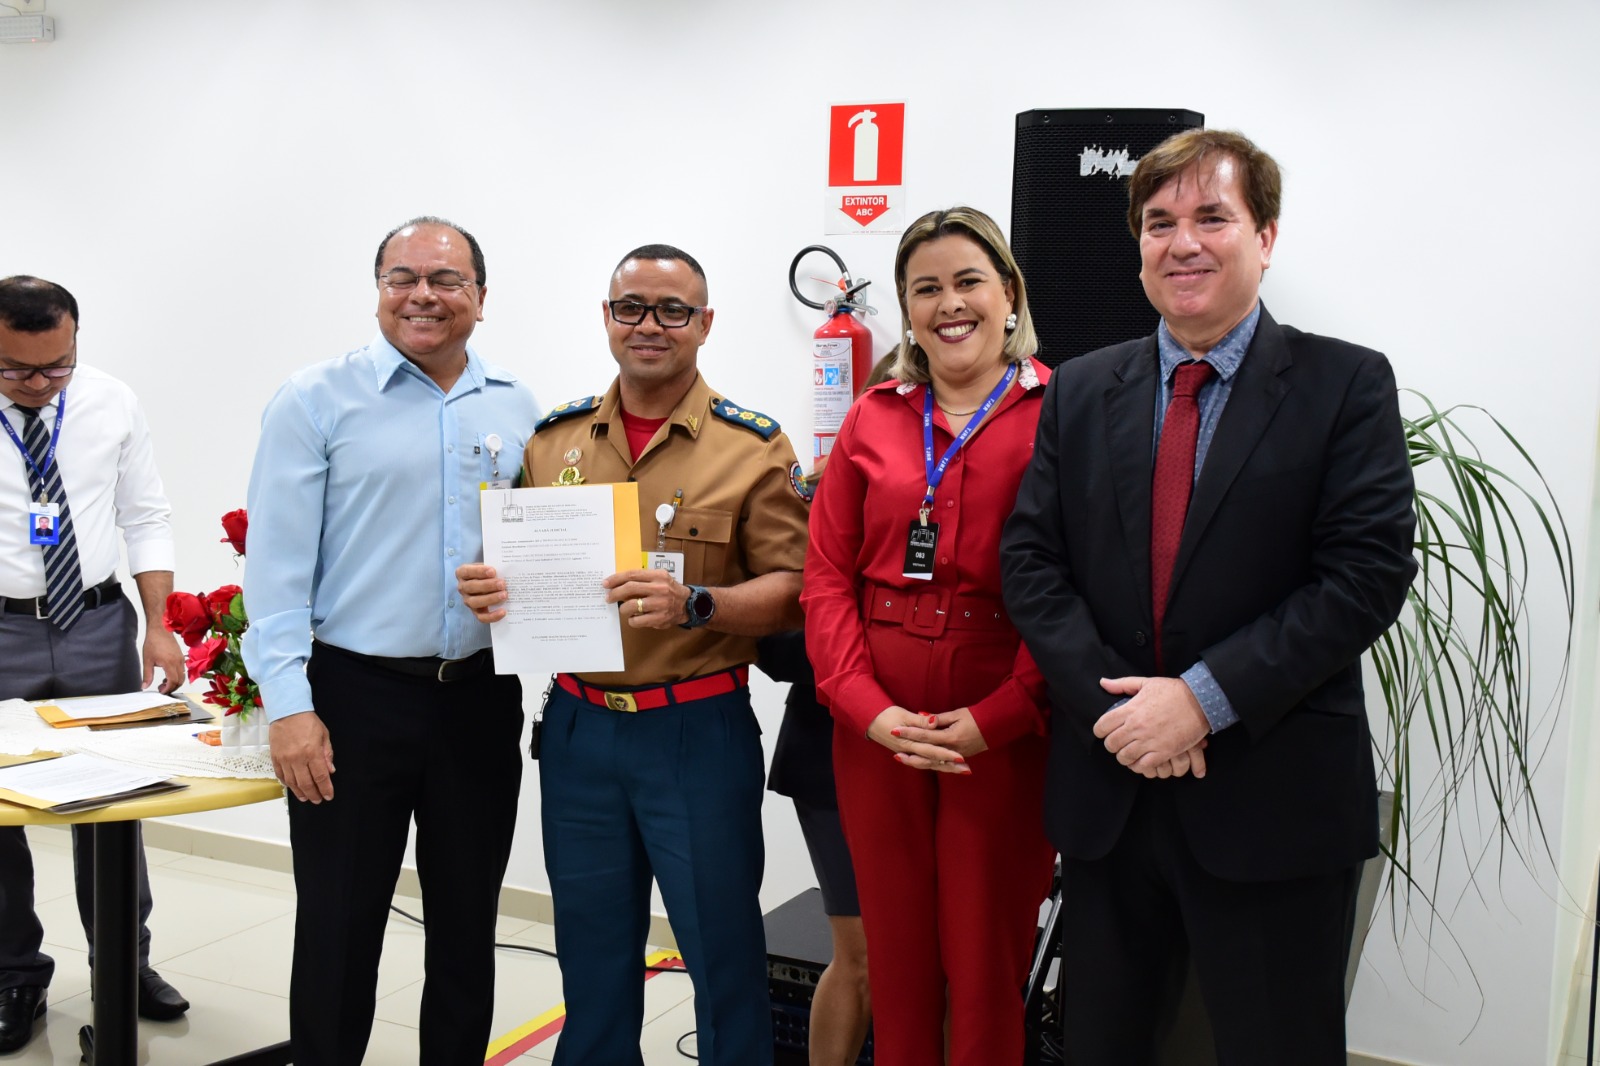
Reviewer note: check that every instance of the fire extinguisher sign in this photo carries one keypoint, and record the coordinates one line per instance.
(866, 149)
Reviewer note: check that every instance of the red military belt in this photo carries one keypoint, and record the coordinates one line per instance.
(655, 696)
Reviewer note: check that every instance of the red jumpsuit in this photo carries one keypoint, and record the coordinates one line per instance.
(950, 868)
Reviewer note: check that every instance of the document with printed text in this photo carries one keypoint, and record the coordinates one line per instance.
(74, 783)
(552, 547)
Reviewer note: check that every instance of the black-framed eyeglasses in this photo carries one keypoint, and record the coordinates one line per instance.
(23, 373)
(668, 316)
(439, 280)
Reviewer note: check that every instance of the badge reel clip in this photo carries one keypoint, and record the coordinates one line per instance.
(538, 720)
(661, 559)
(493, 444)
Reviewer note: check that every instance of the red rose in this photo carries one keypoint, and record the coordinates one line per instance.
(235, 524)
(186, 615)
(204, 655)
(220, 603)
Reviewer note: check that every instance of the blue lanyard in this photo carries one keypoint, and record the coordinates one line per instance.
(936, 472)
(49, 456)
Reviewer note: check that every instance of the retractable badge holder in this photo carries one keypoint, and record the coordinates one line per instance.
(493, 444)
(661, 559)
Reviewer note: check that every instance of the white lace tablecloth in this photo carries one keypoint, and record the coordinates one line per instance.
(170, 749)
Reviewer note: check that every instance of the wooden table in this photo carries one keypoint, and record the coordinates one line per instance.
(113, 1038)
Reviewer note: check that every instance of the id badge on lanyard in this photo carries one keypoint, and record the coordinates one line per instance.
(44, 514)
(922, 538)
(44, 523)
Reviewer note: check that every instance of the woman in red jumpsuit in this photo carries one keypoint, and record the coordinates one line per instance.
(939, 745)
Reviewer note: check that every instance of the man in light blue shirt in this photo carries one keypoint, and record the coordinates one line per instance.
(363, 500)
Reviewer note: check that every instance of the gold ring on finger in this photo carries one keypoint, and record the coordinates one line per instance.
(638, 605)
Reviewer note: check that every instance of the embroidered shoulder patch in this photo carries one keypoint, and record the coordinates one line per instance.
(754, 421)
(804, 487)
(567, 410)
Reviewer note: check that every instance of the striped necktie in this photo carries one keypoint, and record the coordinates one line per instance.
(63, 577)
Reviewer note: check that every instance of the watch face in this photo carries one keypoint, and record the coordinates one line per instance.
(703, 605)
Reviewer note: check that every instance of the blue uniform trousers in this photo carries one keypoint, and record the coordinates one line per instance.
(673, 792)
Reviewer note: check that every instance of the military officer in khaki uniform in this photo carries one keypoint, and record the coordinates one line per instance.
(658, 770)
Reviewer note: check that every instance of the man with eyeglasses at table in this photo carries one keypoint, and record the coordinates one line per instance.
(657, 770)
(363, 499)
(67, 486)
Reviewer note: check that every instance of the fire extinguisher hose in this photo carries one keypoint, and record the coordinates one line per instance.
(794, 285)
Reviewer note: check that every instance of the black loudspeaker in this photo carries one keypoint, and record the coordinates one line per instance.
(799, 948)
(1069, 229)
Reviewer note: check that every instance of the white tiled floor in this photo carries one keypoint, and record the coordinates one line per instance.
(222, 934)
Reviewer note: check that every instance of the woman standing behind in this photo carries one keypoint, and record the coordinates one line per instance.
(938, 741)
(802, 769)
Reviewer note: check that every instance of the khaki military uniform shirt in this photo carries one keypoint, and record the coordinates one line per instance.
(741, 514)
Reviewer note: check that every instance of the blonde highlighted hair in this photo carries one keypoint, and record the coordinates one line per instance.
(911, 362)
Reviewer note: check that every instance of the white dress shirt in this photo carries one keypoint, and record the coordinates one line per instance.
(108, 470)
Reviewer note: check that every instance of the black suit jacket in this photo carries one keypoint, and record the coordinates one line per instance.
(1295, 556)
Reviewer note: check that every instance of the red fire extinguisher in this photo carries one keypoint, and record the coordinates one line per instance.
(841, 351)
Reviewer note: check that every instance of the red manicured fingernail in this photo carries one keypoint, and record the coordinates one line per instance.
(960, 759)
(932, 719)
(894, 732)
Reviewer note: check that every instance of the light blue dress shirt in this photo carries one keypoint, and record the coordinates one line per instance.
(363, 501)
(1225, 358)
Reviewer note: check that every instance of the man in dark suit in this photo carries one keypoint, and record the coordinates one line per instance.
(1216, 524)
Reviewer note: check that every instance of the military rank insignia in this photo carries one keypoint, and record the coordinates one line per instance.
(754, 421)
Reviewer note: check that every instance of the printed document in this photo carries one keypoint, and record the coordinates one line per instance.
(552, 547)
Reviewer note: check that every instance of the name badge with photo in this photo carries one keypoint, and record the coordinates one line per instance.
(44, 523)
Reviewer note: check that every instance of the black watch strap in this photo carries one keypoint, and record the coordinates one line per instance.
(699, 607)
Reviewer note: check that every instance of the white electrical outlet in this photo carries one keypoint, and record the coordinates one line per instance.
(22, 7)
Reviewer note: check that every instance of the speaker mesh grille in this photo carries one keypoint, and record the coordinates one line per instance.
(1069, 202)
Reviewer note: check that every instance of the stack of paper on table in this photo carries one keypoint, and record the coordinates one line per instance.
(74, 783)
(122, 709)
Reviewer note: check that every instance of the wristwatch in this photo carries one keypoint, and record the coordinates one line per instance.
(700, 607)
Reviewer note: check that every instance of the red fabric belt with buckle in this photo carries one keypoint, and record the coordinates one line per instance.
(929, 612)
(654, 696)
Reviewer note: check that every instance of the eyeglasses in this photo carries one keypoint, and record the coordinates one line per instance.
(441, 280)
(24, 373)
(668, 316)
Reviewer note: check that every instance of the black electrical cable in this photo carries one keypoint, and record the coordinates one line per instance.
(534, 949)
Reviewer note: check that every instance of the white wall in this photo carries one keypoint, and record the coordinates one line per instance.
(210, 178)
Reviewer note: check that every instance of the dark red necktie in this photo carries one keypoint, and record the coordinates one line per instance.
(1173, 483)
